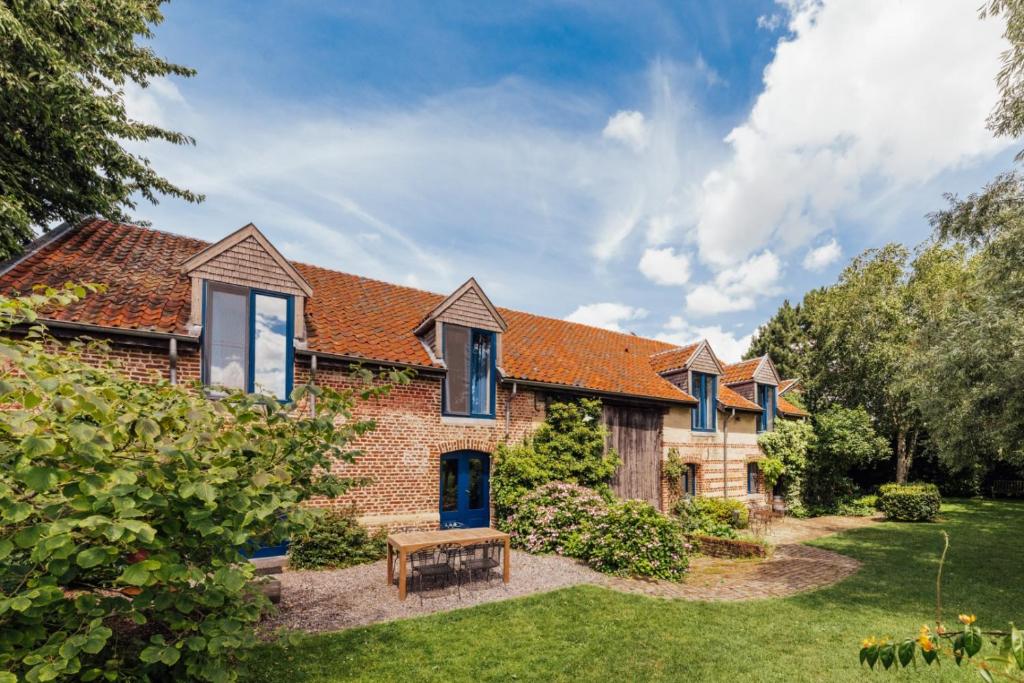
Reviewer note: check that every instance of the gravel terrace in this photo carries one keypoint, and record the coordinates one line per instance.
(343, 598)
(337, 599)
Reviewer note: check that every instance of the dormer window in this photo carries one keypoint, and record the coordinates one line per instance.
(247, 340)
(469, 384)
(766, 399)
(703, 416)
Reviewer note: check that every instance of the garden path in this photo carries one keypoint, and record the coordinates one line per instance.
(791, 568)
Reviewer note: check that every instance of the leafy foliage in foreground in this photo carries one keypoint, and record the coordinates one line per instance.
(124, 508)
(62, 103)
(1006, 662)
(335, 541)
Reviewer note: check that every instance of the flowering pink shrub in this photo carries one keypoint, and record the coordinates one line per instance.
(555, 518)
(634, 539)
(628, 538)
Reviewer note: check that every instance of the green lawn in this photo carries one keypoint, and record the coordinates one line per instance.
(593, 634)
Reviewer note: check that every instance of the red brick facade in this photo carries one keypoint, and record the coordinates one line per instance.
(402, 455)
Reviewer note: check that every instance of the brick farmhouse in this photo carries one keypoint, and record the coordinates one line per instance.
(237, 314)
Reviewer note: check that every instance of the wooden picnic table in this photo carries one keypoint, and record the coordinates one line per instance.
(411, 541)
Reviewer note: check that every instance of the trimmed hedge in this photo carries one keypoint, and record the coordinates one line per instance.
(909, 502)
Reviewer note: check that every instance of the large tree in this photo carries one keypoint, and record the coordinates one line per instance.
(971, 349)
(63, 69)
(862, 333)
(783, 338)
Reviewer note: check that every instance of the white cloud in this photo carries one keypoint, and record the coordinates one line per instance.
(736, 289)
(726, 345)
(822, 257)
(866, 97)
(607, 315)
(665, 267)
(710, 300)
(629, 128)
(769, 22)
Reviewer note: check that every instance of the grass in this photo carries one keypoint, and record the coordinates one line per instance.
(593, 634)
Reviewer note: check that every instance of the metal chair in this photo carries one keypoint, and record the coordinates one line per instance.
(431, 566)
(484, 560)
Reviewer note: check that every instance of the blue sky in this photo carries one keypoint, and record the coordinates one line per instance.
(673, 169)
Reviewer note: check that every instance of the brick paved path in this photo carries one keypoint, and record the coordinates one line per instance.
(792, 567)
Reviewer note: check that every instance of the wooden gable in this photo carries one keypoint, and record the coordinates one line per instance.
(766, 372)
(248, 259)
(704, 360)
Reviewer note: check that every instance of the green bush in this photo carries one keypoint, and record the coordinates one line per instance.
(336, 541)
(555, 519)
(845, 439)
(711, 516)
(124, 508)
(910, 502)
(634, 539)
(568, 447)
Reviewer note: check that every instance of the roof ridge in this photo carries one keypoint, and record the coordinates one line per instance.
(626, 335)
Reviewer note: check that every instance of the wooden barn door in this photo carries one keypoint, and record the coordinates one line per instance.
(635, 433)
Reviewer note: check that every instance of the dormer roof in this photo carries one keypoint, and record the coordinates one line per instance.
(243, 249)
(698, 356)
(468, 305)
(761, 370)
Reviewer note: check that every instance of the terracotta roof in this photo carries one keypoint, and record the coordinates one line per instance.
(730, 399)
(743, 371)
(787, 408)
(675, 358)
(347, 315)
(787, 385)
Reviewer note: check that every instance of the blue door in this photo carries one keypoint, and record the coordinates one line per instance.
(465, 489)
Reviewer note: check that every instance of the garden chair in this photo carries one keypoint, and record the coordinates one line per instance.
(432, 567)
(484, 560)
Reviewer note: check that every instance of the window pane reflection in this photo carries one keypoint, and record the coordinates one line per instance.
(270, 346)
(227, 330)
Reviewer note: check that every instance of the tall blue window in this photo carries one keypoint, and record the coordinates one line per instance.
(751, 477)
(247, 337)
(766, 399)
(704, 387)
(690, 479)
(469, 384)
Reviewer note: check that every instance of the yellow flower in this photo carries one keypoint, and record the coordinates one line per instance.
(867, 642)
(925, 630)
(967, 619)
(926, 643)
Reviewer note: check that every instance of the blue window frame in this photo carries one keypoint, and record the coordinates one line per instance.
(469, 385)
(247, 340)
(690, 480)
(704, 387)
(751, 477)
(766, 399)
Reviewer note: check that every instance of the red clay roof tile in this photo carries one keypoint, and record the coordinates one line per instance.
(347, 315)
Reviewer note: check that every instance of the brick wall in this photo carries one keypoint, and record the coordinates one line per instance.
(402, 455)
(714, 468)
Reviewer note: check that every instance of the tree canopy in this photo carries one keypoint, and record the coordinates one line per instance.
(783, 338)
(63, 71)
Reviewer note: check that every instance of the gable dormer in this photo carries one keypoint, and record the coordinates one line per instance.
(247, 307)
(464, 332)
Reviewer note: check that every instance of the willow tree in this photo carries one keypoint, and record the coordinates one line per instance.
(64, 67)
